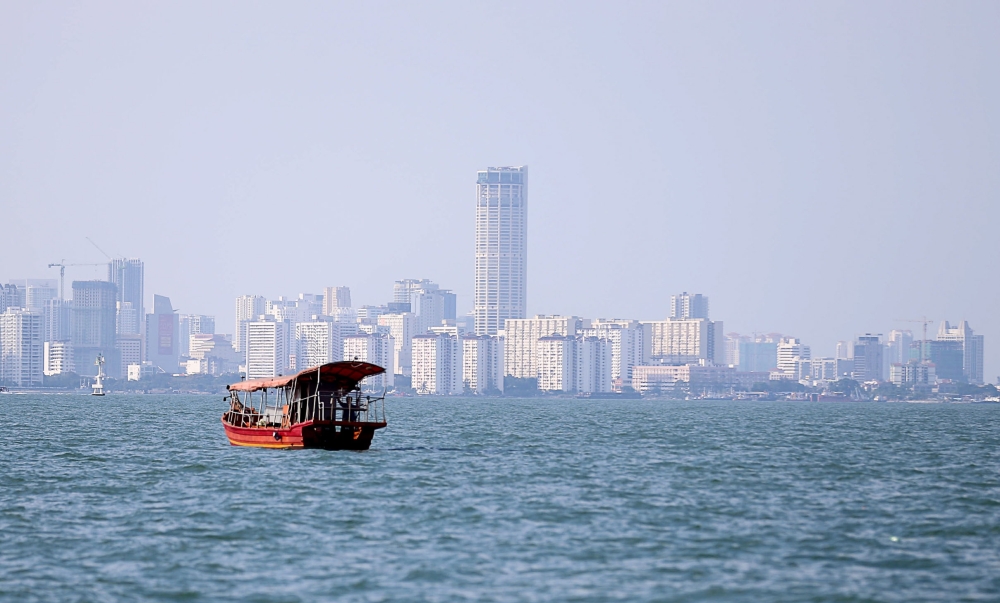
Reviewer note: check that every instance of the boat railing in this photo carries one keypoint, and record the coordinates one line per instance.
(283, 410)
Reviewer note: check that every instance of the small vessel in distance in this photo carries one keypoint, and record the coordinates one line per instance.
(98, 385)
(320, 407)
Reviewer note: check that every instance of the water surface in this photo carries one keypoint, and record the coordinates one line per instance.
(142, 498)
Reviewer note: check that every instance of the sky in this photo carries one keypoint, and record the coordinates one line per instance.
(818, 169)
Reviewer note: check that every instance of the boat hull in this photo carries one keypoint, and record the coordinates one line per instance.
(328, 435)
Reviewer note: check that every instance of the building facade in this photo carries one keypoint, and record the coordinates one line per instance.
(501, 247)
(378, 349)
(248, 308)
(163, 341)
(688, 305)
(22, 347)
(683, 341)
(437, 364)
(521, 337)
(128, 275)
(482, 364)
(94, 326)
(626, 341)
(268, 344)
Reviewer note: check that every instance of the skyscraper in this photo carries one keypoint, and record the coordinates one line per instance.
(688, 305)
(248, 309)
(127, 275)
(21, 347)
(501, 247)
(94, 326)
(162, 335)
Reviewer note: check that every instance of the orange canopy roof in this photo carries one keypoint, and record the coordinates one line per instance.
(345, 374)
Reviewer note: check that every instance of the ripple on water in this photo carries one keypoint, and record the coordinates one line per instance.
(494, 500)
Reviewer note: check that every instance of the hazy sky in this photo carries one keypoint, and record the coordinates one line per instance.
(817, 169)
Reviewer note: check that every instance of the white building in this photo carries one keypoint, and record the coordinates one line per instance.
(437, 364)
(683, 341)
(790, 350)
(916, 373)
(321, 341)
(501, 247)
(556, 363)
(248, 308)
(130, 349)
(482, 363)
(268, 346)
(378, 349)
(401, 326)
(57, 320)
(626, 340)
(21, 347)
(212, 354)
(58, 358)
(521, 341)
(593, 365)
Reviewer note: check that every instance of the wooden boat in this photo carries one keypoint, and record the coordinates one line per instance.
(320, 407)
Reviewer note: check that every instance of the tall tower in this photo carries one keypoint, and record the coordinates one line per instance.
(688, 305)
(501, 247)
(127, 275)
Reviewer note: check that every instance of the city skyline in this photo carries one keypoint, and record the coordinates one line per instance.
(690, 150)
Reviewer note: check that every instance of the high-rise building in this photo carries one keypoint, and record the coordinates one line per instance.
(868, 358)
(501, 247)
(972, 348)
(94, 326)
(401, 328)
(193, 324)
(321, 341)
(21, 347)
(163, 342)
(127, 319)
(212, 354)
(482, 363)
(378, 349)
(336, 299)
(757, 356)
(268, 348)
(556, 362)
(626, 340)
(437, 364)
(57, 314)
(248, 309)
(129, 348)
(594, 365)
(58, 358)
(685, 340)
(790, 350)
(128, 276)
(946, 356)
(521, 337)
(688, 305)
(10, 297)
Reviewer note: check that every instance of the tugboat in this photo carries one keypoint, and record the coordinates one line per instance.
(320, 407)
(98, 385)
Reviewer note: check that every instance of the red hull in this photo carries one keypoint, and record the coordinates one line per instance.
(330, 435)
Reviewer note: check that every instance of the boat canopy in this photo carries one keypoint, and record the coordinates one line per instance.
(344, 374)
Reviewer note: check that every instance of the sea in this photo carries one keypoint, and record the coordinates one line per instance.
(141, 498)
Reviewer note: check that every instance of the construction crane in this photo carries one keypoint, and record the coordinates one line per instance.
(923, 320)
(62, 273)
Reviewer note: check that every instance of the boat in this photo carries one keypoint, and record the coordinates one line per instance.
(4, 389)
(320, 407)
(98, 385)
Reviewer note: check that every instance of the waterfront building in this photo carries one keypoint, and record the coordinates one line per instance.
(162, 336)
(626, 341)
(270, 346)
(335, 300)
(813, 370)
(58, 358)
(688, 305)
(757, 356)
(868, 358)
(94, 326)
(248, 308)
(212, 354)
(556, 363)
(437, 364)
(128, 275)
(482, 363)
(972, 349)
(193, 324)
(682, 341)
(521, 337)
(691, 378)
(594, 365)
(22, 347)
(501, 247)
(378, 349)
(947, 357)
(129, 347)
(790, 350)
(913, 373)
(402, 328)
